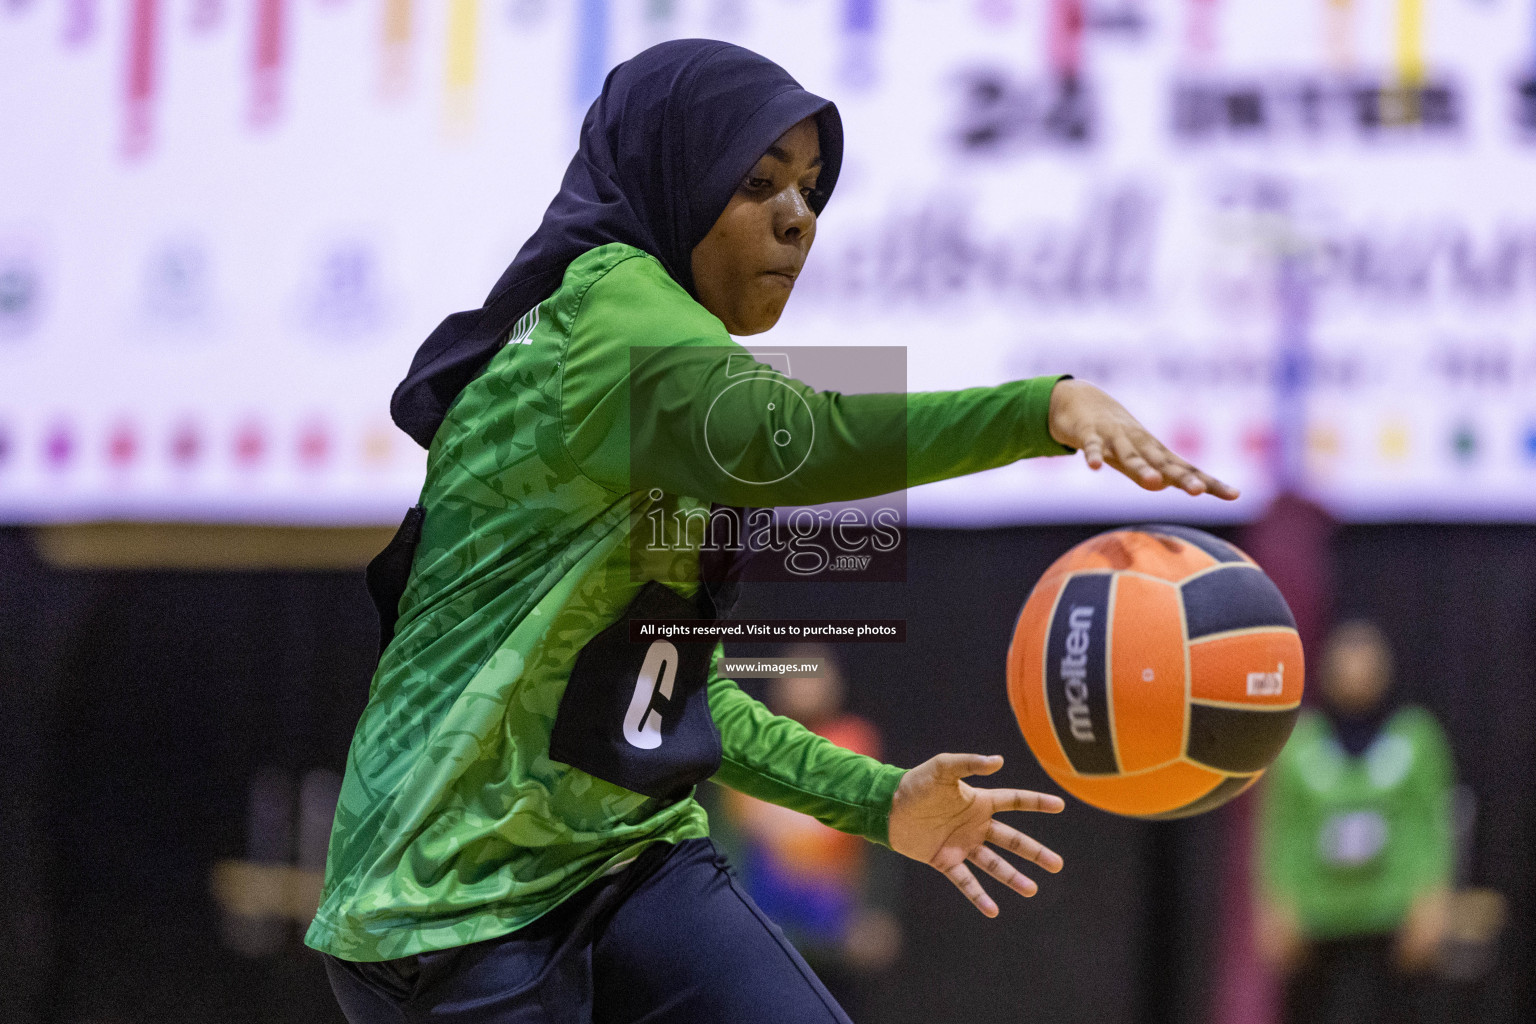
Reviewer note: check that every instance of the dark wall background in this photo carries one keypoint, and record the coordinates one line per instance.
(135, 709)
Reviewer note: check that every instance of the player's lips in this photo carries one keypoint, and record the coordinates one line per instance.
(786, 274)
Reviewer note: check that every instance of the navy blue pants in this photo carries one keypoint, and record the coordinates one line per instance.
(671, 939)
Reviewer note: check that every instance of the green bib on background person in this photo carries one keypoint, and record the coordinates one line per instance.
(1348, 843)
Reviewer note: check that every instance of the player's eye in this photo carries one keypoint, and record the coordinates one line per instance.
(753, 184)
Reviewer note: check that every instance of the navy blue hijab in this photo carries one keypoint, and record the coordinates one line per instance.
(662, 150)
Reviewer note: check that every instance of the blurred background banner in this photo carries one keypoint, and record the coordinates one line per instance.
(225, 226)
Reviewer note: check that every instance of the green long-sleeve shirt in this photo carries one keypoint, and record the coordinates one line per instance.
(617, 397)
(1347, 843)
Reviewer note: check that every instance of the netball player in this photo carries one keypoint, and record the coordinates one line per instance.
(516, 838)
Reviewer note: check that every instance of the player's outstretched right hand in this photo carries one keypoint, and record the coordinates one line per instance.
(1085, 418)
(938, 819)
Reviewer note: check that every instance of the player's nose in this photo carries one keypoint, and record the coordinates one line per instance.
(793, 217)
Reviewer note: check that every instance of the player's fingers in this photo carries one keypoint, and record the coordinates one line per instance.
(1176, 471)
(1160, 456)
(1192, 480)
(966, 883)
(1130, 461)
(954, 767)
(1180, 472)
(1014, 841)
(1219, 488)
(1093, 451)
(1173, 469)
(1025, 800)
(987, 859)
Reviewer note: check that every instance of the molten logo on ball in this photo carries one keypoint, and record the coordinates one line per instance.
(1078, 698)
(1074, 671)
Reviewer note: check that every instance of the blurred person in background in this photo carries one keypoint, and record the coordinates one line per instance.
(820, 885)
(1356, 844)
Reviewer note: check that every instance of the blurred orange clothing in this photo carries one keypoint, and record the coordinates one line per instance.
(798, 844)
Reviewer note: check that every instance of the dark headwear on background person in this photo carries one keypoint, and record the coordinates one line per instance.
(1371, 701)
(662, 150)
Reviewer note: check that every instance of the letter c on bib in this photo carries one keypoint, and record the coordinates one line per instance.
(642, 725)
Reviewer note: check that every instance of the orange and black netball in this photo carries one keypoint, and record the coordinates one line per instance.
(1155, 671)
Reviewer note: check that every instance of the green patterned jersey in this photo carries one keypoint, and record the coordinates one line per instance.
(617, 403)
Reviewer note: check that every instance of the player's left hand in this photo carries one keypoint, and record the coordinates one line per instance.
(938, 819)
(1085, 418)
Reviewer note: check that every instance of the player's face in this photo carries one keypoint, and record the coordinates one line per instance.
(1357, 669)
(746, 266)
